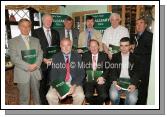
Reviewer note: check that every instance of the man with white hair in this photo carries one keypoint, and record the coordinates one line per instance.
(113, 34)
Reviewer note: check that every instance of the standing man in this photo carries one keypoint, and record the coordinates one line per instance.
(26, 75)
(71, 73)
(143, 48)
(89, 33)
(97, 61)
(69, 32)
(125, 67)
(113, 34)
(47, 37)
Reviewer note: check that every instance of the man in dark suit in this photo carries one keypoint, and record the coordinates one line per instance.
(72, 74)
(124, 65)
(96, 61)
(47, 37)
(69, 32)
(143, 48)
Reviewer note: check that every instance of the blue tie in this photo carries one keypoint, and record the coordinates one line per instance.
(89, 38)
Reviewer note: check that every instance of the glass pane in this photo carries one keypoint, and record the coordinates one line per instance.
(18, 14)
(14, 30)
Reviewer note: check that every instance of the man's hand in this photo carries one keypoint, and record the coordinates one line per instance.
(32, 67)
(131, 88)
(80, 51)
(100, 80)
(47, 61)
(72, 89)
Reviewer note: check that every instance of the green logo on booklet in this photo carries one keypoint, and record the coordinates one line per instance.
(50, 51)
(61, 87)
(29, 56)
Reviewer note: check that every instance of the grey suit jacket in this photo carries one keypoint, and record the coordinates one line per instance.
(21, 73)
(75, 35)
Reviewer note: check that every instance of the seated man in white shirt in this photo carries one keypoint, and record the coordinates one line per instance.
(113, 34)
(125, 66)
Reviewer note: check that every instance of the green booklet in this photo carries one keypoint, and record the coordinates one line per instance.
(85, 49)
(93, 75)
(114, 49)
(50, 51)
(123, 83)
(61, 87)
(29, 56)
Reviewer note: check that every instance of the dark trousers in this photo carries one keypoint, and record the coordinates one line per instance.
(89, 88)
(143, 87)
(44, 86)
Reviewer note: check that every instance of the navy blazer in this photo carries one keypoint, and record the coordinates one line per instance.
(134, 68)
(59, 72)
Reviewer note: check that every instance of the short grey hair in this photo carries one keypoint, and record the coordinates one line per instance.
(115, 15)
(46, 15)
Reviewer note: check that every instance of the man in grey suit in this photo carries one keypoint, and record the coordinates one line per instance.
(69, 32)
(26, 75)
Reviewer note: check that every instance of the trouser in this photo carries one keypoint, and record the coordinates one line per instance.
(24, 91)
(131, 97)
(89, 88)
(53, 96)
(44, 86)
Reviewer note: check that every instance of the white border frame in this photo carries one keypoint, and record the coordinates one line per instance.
(156, 44)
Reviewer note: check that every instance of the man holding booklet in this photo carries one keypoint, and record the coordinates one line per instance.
(124, 73)
(66, 75)
(26, 54)
(96, 74)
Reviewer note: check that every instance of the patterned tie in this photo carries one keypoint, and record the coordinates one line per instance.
(68, 34)
(27, 43)
(49, 37)
(94, 63)
(89, 38)
(67, 69)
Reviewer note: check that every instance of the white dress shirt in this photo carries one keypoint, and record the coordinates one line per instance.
(125, 65)
(113, 35)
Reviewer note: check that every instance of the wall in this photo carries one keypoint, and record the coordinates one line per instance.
(69, 9)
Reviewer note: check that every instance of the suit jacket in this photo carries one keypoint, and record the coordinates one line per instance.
(144, 47)
(77, 72)
(75, 35)
(21, 73)
(83, 38)
(134, 68)
(40, 34)
(102, 61)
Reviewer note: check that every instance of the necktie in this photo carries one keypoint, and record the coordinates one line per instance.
(94, 63)
(89, 38)
(48, 37)
(67, 69)
(137, 37)
(68, 34)
(27, 43)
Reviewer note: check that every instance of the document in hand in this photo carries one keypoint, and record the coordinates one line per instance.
(29, 56)
(114, 49)
(50, 51)
(61, 87)
(93, 75)
(123, 83)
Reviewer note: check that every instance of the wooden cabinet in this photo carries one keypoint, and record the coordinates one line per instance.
(79, 19)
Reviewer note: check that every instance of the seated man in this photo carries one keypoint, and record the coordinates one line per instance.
(71, 74)
(124, 65)
(96, 61)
